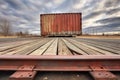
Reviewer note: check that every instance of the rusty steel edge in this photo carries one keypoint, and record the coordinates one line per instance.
(56, 57)
(62, 13)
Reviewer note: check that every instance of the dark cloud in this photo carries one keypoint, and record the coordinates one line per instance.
(97, 13)
(90, 4)
(92, 15)
(112, 3)
(109, 20)
(65, 5)
(103, 28)
(111, 25)
(112, 11)
(16, 4)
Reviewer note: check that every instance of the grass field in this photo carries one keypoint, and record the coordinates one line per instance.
(8, 36)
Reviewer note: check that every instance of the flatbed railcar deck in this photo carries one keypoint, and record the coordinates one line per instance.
(28, 57)
(60, 46)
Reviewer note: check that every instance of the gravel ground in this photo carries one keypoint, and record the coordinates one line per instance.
(53, 75)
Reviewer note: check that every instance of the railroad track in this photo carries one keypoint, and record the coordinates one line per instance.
(26, 66)
(59, 54)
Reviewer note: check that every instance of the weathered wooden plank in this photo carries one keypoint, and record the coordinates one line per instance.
(6, 44)
(26, 49)
(113, 51)
(31, 48)
(84, 47)
(41, 49)
(62, 48)
(112, 45)
(74, 48)
(97, 49)
(52, 50)
(12, 50)
(18, 49)
(14, 45)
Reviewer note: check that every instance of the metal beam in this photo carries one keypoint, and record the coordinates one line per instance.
(26, 67)
(61, 63)
(54, 57)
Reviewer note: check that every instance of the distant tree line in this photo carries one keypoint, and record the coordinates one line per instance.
(22, 34)
(6, 29)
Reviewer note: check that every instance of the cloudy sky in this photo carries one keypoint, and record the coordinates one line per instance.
(100, 15)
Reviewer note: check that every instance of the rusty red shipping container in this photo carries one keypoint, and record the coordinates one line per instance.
(61, 24)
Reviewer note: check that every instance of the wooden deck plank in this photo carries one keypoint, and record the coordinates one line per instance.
(31, 48)
(19, 49)
(85, 47)
(24, 49)
(14, 45)
(62, 48)
(52, 50)
(7, 44)
(12, 50)
(74, 48)
(105, 47)
(41, 49)
(104, 52)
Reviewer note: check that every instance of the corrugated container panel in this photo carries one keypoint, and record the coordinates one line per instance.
(65, 27)
(68, 28)
(80, 24)
(74, 23)
(61, 24)
(67, 24)
(73, 18)
(70, 21)
(77, 23)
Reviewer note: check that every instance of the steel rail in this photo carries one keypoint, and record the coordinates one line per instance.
(60, 57)
(27, 66)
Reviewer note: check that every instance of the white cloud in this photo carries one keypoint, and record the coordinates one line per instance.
(58, 2)
(49, 5)
(79, 4)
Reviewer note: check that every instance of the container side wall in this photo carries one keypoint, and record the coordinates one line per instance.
(61, 24)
